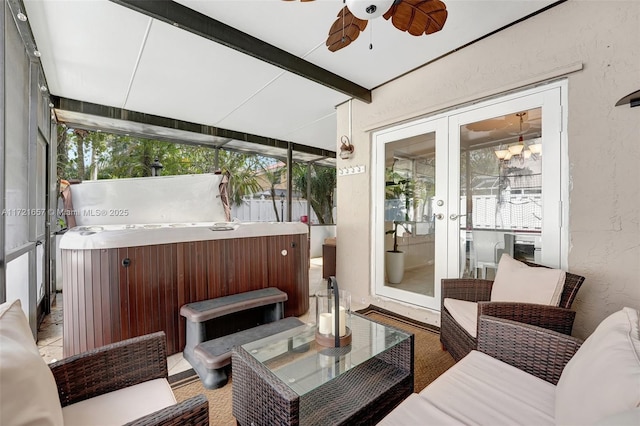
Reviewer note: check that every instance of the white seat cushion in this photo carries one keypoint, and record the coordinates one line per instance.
(518, 282)
(603, 377)
(465, 313)
(623, 418)
(28, 391)
(416, 410)
(121, 406)
(482, 390)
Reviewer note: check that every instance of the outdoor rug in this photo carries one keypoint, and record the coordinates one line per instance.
(430, 362)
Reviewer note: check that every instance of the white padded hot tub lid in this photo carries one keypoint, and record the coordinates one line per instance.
(113, 236)
(160, 199)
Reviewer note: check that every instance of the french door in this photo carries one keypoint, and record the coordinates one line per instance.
(454, 192)
(411, 183)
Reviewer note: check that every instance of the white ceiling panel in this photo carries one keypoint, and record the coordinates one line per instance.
(301, 28)
(100, 52)
(89, 49)
(287, 104)
(320, 133)
(187, 77)
(395, 52)
(293, 26)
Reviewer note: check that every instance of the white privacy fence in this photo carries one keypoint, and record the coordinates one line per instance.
(262, 210)
(513, 212)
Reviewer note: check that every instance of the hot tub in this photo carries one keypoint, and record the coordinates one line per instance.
(122, 280)
(129, 235)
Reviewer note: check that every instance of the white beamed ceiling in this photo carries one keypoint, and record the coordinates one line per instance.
(100, 52)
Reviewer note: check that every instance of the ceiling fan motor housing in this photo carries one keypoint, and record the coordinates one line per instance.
(368, 9)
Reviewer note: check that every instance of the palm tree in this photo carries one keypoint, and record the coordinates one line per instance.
(98, 143)
(273, 175)
(63, 163)
(80, 135)
(323, 183)
(242, 170)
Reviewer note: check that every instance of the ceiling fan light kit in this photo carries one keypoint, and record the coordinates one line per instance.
(368, 9)
(417, 17)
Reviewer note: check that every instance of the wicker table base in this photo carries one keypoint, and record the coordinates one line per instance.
(367, 389)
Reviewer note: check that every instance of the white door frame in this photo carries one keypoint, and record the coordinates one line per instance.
(446, 125)
(554, 235)
(419, 127)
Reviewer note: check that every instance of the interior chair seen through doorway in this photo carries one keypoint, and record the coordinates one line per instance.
(487, 248)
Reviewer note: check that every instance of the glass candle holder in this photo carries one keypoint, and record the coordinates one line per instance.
(326, 316)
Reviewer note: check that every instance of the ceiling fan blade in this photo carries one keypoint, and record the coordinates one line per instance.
(418, 17)
(344, 30)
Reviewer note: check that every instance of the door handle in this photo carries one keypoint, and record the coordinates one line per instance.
(456, 216)
(438, 216)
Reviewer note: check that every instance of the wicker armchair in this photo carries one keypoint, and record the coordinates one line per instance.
(120, 365)
(455, 339)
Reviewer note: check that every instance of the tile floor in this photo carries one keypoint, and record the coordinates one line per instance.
(50, 332)
(417, 280)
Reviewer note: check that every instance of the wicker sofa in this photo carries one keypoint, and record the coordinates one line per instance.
(459, 340)
(121, 383)
(523, 374)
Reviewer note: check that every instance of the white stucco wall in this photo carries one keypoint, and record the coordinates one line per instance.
(597, 45)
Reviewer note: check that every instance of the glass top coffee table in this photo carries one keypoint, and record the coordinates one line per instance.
(289, 378)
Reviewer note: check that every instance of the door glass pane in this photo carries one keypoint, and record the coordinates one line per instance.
(501, 191)
(408, 214)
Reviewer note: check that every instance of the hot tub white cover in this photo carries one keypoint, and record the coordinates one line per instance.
(160, 199)
(114, 236)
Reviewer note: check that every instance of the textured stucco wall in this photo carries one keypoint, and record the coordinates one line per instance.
(603, 142)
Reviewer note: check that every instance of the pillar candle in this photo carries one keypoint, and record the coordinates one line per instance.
(324, 323)
(343, 321)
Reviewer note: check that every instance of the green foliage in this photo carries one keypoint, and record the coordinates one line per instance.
(273, 176)
(86, 154)
(242, 168)
(323, 183)
(398, 187)
(90, 154)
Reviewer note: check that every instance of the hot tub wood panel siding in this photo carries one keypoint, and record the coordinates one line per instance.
(106, 301)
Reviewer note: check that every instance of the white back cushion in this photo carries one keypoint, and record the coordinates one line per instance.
(28, 391)
(518, 282)
(603, 377)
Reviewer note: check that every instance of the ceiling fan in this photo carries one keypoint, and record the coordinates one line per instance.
(417, 17)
